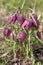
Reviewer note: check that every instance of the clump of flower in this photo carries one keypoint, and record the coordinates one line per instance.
(26, 24)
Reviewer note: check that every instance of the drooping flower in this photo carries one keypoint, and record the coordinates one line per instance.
(20, 19)
(22, 36)
(36, 24)
(35, 21)
(6, 32)
(12, 18)
(27, 24)
(39, 34)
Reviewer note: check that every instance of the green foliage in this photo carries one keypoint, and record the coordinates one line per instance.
(10, 5)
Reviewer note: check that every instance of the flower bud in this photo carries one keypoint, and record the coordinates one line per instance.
(35, 21)
(12, 18)
(22, 36)
(27, 24)
(39, 34)
(20, 19)
(6, 32)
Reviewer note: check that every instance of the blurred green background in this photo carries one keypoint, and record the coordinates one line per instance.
(10, 4)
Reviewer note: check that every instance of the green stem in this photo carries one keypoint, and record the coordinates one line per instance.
(28, 43)
(34, 6)
(14, 51)
(38, 63)
(29, 39)
(23, 4)
(27, 51)
(32, 57)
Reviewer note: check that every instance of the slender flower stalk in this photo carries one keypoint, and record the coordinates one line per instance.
(23, 4)
(14, 47)
(34, 6)
(29, 39)
(28, 44)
